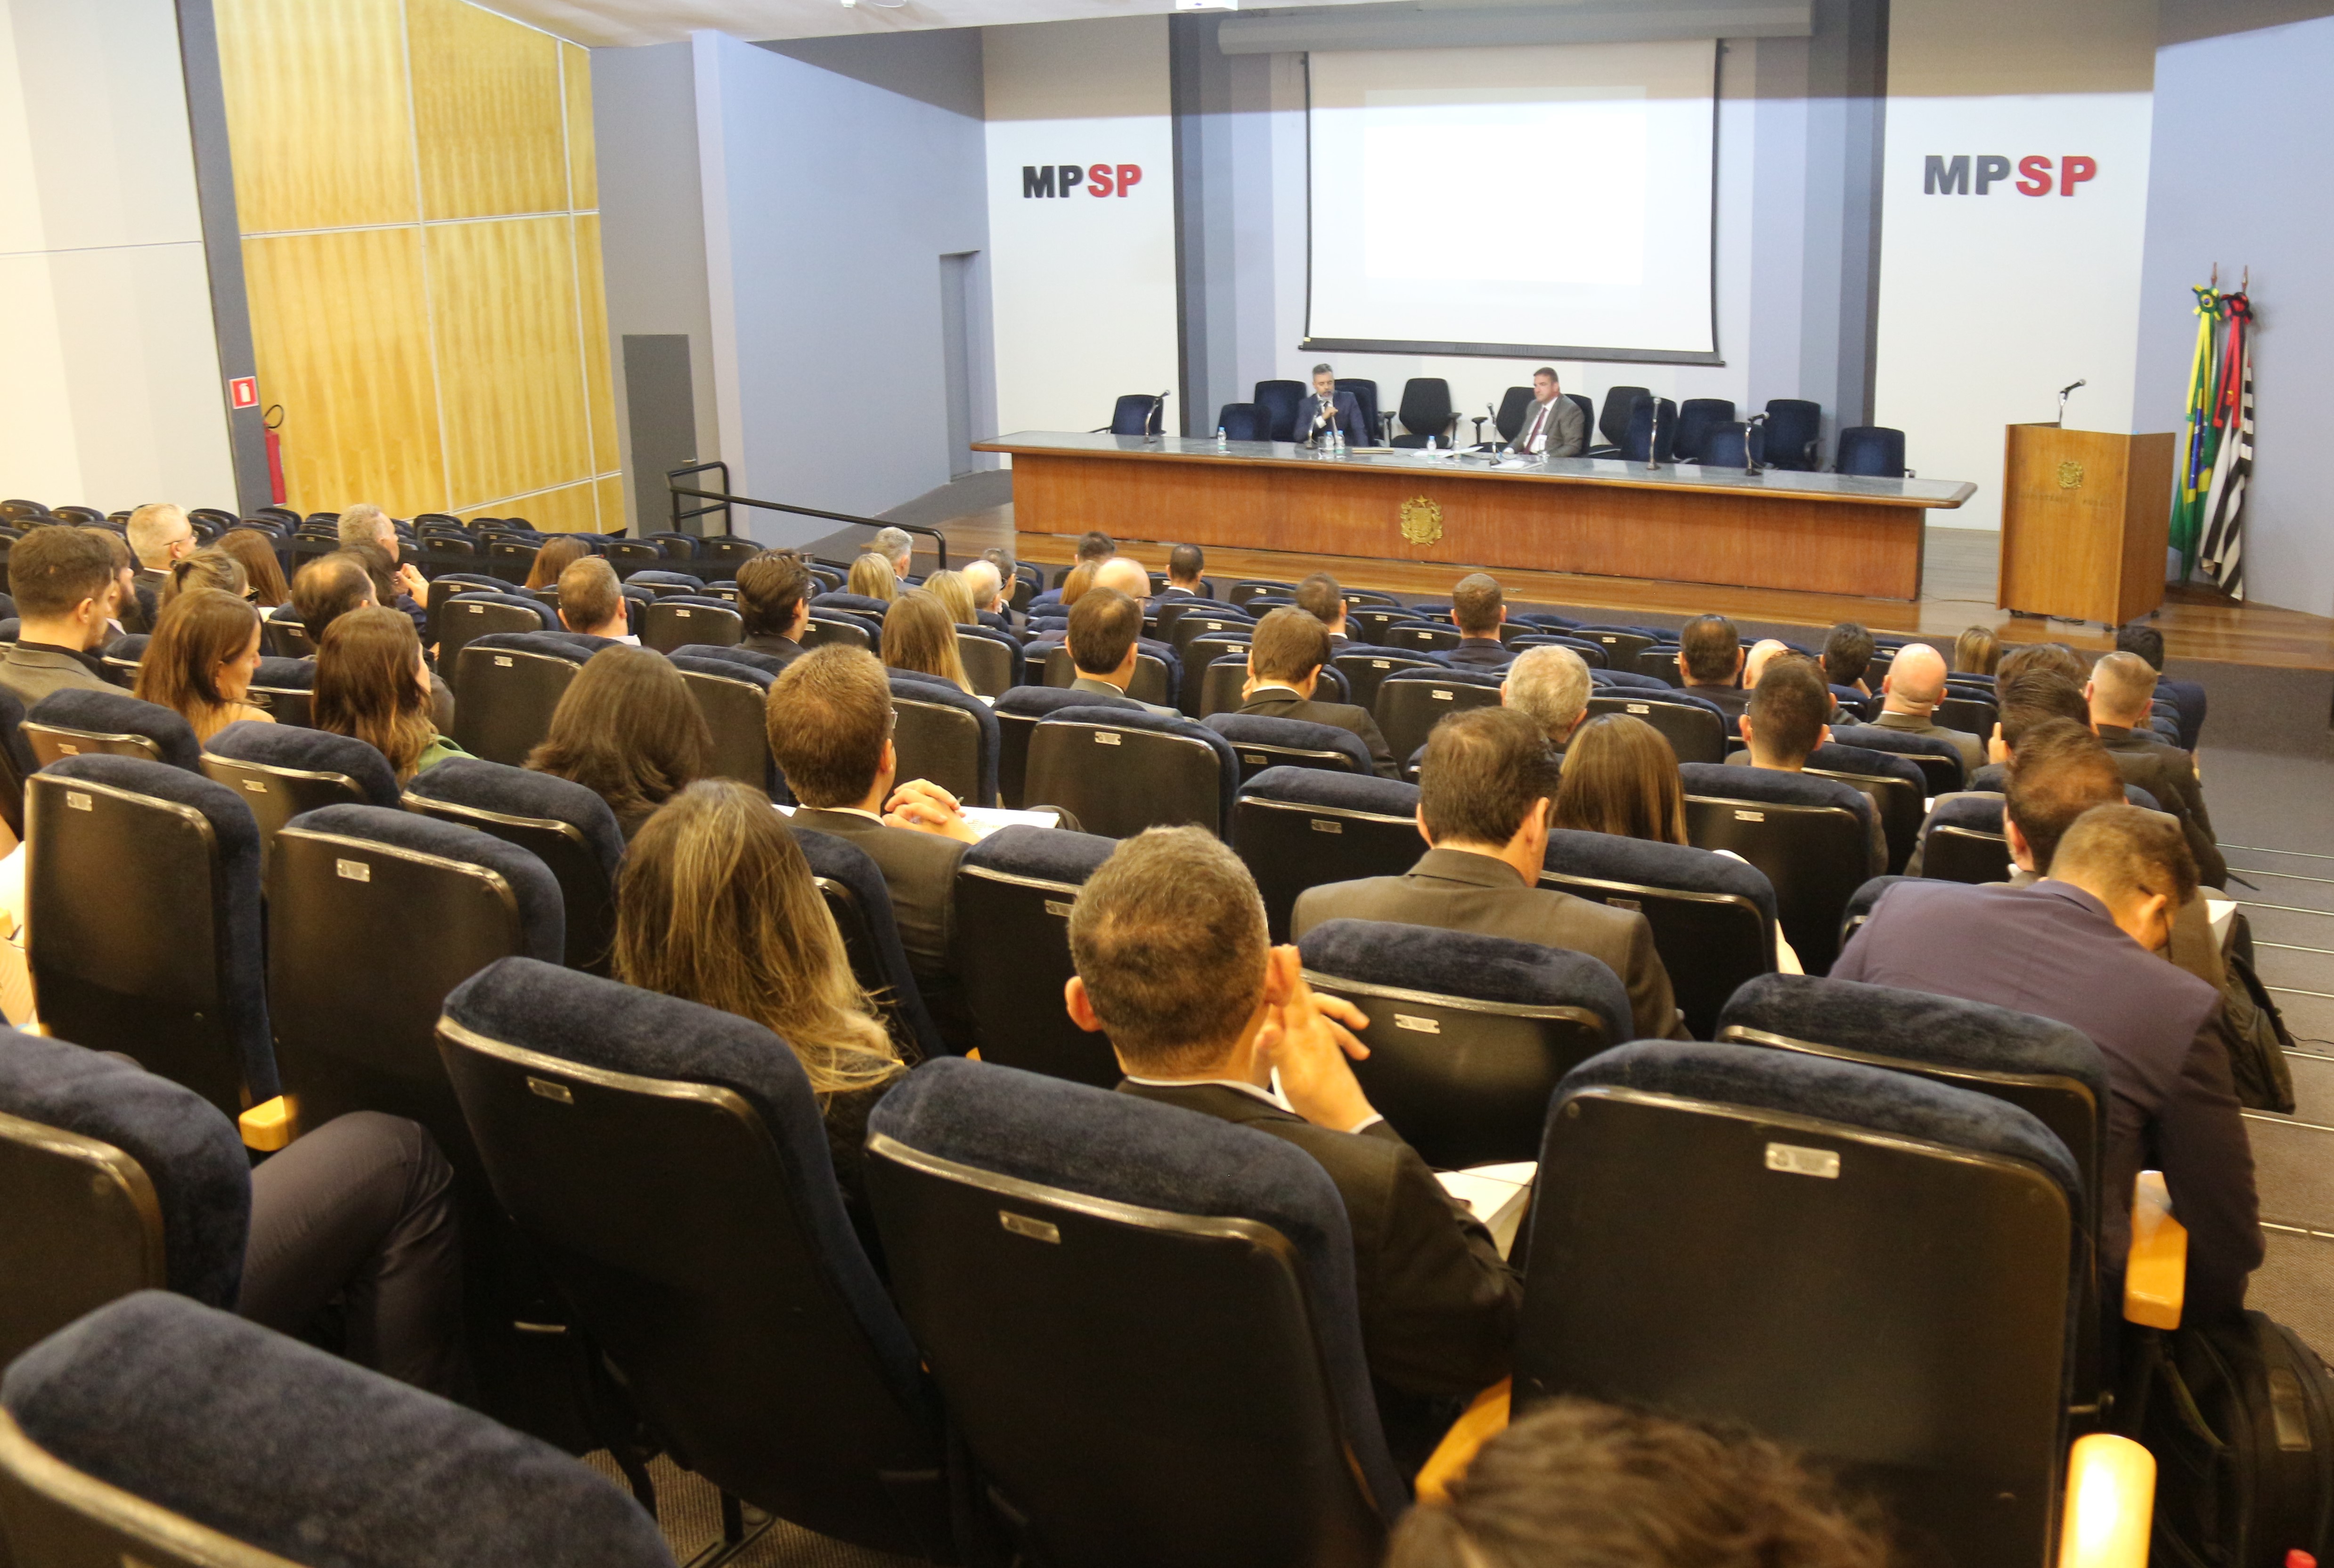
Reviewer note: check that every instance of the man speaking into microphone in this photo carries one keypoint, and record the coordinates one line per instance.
(1330, 409)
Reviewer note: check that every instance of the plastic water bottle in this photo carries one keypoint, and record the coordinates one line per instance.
(1223, 442)
(1430, 442)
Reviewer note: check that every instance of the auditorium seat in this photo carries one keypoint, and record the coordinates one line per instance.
(1019, 712)
(1210, 652)
(1695, 726)
(756, 1340)
(1963, 840)
(1368, 622)
(1366, 393)
(17, 762)
(1421, 637)
(1874, 451)
(944, 735)
(1366, 669)
(1793, 433)
(1637, 439)
(565, 826)
(683, 619)
(992, 658)
(724, 552)
(627, 557)
(279, 770)
(1282, 402)
(443, 587)
(1426, 413)
(1970, 715)
(1896, 786)
(1940, 761)
(1297, 828)
(1696, 417)
(1249, 588)
(1245, 422)
(1121, 772)
(77, 721)
(1712, 916)
(466, 617)
(167, 1433)
(850, 630)
(1152, 681)
(1811, 837)
(733, 693)
(1123, 1224)
(1261, 742)
(1509, 419)
(1622, 644)
(144, 926)
(1012, 950)
(1167, 611)
(1929, 1367)
(1222, 679)
(1469, 1035)
(1411, 703)
(860, 902)
(121, 657)
(1612, 424)
(283, 689)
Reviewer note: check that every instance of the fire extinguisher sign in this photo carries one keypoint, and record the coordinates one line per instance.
(242, 392)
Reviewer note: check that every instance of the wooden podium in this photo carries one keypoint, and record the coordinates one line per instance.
(2086, 516)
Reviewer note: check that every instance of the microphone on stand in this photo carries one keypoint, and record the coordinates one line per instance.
(2062, 397)
(1750, 464)
(1158, 417)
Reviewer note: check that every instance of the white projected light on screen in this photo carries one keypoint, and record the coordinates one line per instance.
(1513, 200)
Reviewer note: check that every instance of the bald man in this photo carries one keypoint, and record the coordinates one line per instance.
(1914, 684)
(1754, 663)
(1126, 575)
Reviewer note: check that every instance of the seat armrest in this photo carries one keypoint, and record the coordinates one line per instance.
(2110, 1503)
(270, 1125)
(2156, 1273)
(1485, 1418)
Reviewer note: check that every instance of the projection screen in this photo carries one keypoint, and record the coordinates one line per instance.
(1550, 201)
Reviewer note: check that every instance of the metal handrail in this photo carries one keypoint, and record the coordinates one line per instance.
(724, 501)
(683, 472)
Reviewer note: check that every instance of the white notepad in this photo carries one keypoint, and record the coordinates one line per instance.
(1495, 1194)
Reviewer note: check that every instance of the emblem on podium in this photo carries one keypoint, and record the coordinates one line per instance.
(1422, 521)
(2070, 476)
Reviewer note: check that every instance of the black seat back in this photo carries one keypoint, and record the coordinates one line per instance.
(1011, 948)
(987, 663)
(1695, 731)
(1896, 792)
(562, 823)
(1150, 683)
(1613, 421)
(506, 691)
(1954, 854)
(1815, 856)
(279, 770)
(1296, 828)
(1410, 707)
(469, 616)
(670, 624)
(1017, 714)
(1121, 774)
(947, 736)
(1366, 670)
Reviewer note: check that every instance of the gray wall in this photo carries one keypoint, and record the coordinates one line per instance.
(2242, 138)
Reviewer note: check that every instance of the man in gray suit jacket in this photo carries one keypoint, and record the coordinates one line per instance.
(1553, 426)
(1105, 626)
(64, 587)
(1485, 789)
(1284, 668)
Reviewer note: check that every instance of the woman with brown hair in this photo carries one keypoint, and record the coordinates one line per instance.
(872, 577)
(201, 660)
(262, 572)
(955, 596)
(1621, 777)
(556, 557)
(373, 683)
(917, 635)
(1080, 578)
(716, 906)
(628, 730)
(209, 567)
(1976, 651)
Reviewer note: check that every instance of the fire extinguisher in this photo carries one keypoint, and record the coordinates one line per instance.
(272, 419)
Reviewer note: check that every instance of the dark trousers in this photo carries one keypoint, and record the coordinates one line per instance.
(361, 1209)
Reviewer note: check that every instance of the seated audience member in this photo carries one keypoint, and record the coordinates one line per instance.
(1479, 610)
(1003, 559)
(2079, 946)
(2059, 772)
(262, 574)
(955, 594)
(986, 586)
(1106, 626)
(1846, 655)
(1174, 965)
(1709, 658)
(373, 683)
(1320, 597)
(917, 635)
(2054, 658)
(366, 523)
(160, 534)
(1785, 722)
(1976, 651)
(774, 593)
(627, 729)
(897, 547)
(1187, 565)
(64, 587)
(1913, 686)
(717, 907)
(1551, 686)
(872, 577)
(1754, 663)
(1284, 668)
(1073, 586)
(2186, 696)
(1621, 777)
(1125, 575)
(2121, 687)
(1095, 547)
(556, 556)
(591, 601)
(328, 588)
(1484, 795)
(134, 606)
(201, 662)
(2026, 698)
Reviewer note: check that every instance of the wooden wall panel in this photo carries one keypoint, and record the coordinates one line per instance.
(599, 386)
(510, 368)
(610, 489)
(340, 326)
(569, 509)
(487, 112)
(583, 154)
(316, 109)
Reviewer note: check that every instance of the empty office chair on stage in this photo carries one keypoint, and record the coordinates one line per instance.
(1282, 402)
(1695, 728)
(1019, 712)
(945, 735)
(756, 1340)
(1730, 443)
(1426, 413)
(1712, 916)
(1612, 423)
(1296, 828)
(279, 770)
(1136, 414)
(1794, 434)
(562, 823)
(1875, 450)
(160, 1432)
(1697, 416)
(1366, 393)
(1469, 1035)
(1121, 772)
(992, 658)
(1367, 667)
(77, 721)
(1931, 1366)
(857, 898)
(142, 904)
(1811, 838)
(507, 684)
(1012, 950)
(1261, 742)
(1410, 704)
(1514, 414)
(1245, 422)
(1940, 761)
(1963, 840)
(683, 619)
(1637, 439)
(466, 617)
(1122, 1224)
(732, 688)
(1896, 786)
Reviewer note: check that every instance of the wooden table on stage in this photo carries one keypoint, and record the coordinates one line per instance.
(1823, 533)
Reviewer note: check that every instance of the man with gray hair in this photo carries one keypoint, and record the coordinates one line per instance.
(1550, 685)
(1910, 691)
(894, 545)
(1330, 410)
(159, 537)
(366, 523)
(982, 580)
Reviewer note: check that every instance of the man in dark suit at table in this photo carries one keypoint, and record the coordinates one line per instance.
(1284, 666)
(1479, 610)
(1330, 409)
(1553, 426)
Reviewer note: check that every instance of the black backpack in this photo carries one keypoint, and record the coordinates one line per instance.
(2239, 1416)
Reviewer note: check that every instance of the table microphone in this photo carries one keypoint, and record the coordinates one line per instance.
(1749, 453)
(1158, 413)
(2062, 397)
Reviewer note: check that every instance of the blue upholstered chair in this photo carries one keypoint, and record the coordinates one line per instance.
(1622, 644)
(1695, 726)
(1134, 414)
(662, 580)
(1282, 402)
(1245, 422)
(1469, 1035)
(1875, 450)
(1609, 424)
(1697, 416)
(1810, 836)
(1260, 742)
(466, 617)
(1156, 679)
(1013, 895)
(1794, 434)
(1940, 761)
(1366, 393)
(768, 664)
(507, 684)
(855, 604)
(1170, 610)
(732, 688)
(946, 735)
(122, 655)
(1422, 637)
(992, 658)
(682, 619)
(1878, 1270)
(1612, 682)
(861, 903)
(170, 975)
(1121, 772)
(1896, 785)
(843, 627)
(1018, 713)
(1123, 1223)
(1964, 840)
(1638, 443)
(76, 721)
(1411, 703)
(283, 689)
(756, 1340)
(114, 1179)
(160, 1432)
(17, 762)
(565, 826)
(1367, 622)
(1368, 667)
(280, 770)
(1296, 828)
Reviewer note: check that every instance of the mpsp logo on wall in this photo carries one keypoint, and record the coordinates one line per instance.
(1951, 176)
(1051, 179)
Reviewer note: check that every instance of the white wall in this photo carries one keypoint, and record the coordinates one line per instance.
(111, 395)
(1082, 287)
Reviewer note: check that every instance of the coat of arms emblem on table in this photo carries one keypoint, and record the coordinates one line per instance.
(1422, 521)
(2070, 476)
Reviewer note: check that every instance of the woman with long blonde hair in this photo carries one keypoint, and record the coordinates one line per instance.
(1976, 651)
(201, 660)
(209, 567)
(1621, 777)
(372, 684)
(872, 577)
(716, 906)
(917, 635)
(955, 596)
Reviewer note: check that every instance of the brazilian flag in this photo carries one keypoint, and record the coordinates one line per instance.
(2200, 435)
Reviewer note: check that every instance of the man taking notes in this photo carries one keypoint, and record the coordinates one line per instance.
(1553, 426)
(1329, 409)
